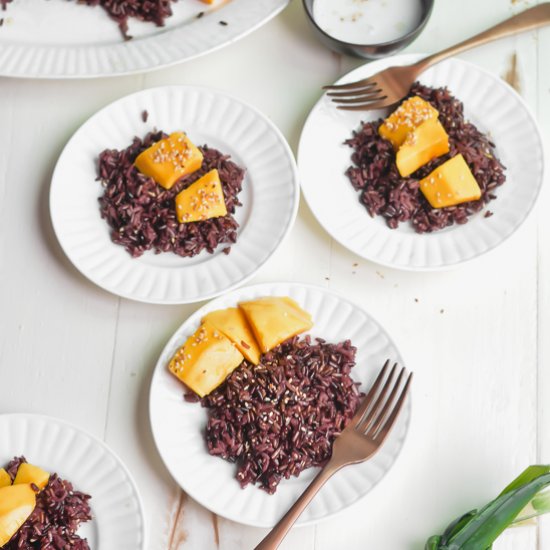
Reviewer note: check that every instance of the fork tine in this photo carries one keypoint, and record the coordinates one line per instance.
(361, 99)
(386, 409)
(368, 106)
(367, 401)
(364, 424)
(350, 85)
(385, 430)
(356, 91)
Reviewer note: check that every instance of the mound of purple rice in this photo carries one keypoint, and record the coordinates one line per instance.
(280, 417)
(154, 11)
(385, 193)
(56, 518)
(142, 214)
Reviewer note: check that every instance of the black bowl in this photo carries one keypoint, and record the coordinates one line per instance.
(369, 51)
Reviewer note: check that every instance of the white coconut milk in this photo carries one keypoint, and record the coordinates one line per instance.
(367, 21)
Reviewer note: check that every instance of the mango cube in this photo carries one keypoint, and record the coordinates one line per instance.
(169, 159)
(5, 478)
(450, 184)
(426, 142)
(205, 360)
(233, 324)
(275, 319)
(16, 505)
(202, 200)
(407, 117)
(27, 473)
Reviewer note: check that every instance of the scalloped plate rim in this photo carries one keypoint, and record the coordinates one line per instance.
(367, 69)
(266, 287)
(206, 89)
(64, 424)
(268, 16)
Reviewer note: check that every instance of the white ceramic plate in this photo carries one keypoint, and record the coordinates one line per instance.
(78, 457)
(178, 426)
(490, 104)
(270, 195)
(61, 39)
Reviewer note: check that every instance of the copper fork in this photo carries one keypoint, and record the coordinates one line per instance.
(389, 86)
(362, 437)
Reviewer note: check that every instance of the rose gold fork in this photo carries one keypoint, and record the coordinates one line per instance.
(362, 437)
(392, 84)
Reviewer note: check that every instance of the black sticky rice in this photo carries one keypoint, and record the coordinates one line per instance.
(142, 214)
(154, 11)
(385, 193)
(280, 417)
(58, 514)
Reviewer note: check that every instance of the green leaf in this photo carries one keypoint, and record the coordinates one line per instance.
(434, 543)
(529, 474)
(522, 499)
(438, 542)
(538, 506)
(541, 503)
(455, 526)
(486, 526)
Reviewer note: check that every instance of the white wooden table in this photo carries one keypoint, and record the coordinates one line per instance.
(476, 337)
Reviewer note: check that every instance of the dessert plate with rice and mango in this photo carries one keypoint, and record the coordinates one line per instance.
(37, 507)
(251, 391)
(62, 488)
(69, 39)
(439, 179)
(174, 195)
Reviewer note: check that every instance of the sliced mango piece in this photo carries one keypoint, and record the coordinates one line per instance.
(202, 200)
(275, 319)
(5, 478)
(169, 159)
(450, 184)
(408, 116)
(205, 360)
(292, 304)
(233, 324)
(16, 504)
(428, 141)
(27, 473)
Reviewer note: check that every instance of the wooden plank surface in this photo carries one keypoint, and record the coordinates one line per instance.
(475, 336)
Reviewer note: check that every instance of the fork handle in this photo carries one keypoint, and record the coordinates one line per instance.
(279, 532)
(532, 18)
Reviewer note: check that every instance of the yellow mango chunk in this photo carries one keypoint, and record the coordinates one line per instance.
(450, 184)
(202, 200)
(233, 324)
(422, 145)
(5, 478)
(408, 116)
(169, 159)
(16, 504)
(27, 473)
(205, 360)
(290, 303)
(275, 319)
